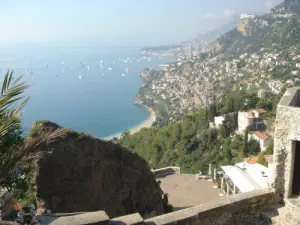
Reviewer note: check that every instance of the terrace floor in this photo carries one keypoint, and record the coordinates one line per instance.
(186, 191)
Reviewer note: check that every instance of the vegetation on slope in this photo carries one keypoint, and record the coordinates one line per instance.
(191, 144)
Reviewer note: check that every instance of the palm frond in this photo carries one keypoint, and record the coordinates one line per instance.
(14, 153)
(18, 157)
(11, 103)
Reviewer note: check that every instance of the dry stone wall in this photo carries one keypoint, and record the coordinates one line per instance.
(166, 171)
(230, 210)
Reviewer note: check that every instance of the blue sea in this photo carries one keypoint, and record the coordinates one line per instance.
(85, 87)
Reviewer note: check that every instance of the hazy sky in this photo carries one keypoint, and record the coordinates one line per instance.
(117, 21)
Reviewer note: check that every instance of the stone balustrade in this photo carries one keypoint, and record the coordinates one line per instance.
(166, 171)
(229, 210)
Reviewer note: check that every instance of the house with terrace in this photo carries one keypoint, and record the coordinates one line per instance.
(253, 118)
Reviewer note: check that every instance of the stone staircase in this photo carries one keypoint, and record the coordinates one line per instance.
(288, 214)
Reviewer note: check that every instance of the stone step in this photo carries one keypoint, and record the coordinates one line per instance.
(284, 220)
(270, 216)
(292, 206)
(280, 215)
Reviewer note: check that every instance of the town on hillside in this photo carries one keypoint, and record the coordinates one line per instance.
(224, 147)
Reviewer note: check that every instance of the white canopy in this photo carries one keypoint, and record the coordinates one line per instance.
(247, 177)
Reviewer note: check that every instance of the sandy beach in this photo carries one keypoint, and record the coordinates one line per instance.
(145, 124)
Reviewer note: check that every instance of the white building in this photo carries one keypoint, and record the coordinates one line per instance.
(245, 177)
(218, 120)
(247, 16)
(261, 93)
(261, 138)
(252, 117)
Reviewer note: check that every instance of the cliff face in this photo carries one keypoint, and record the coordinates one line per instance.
(77, 172)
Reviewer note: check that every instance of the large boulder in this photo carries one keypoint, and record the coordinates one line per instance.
(77, 172)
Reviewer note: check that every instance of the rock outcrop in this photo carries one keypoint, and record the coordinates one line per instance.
(77, 172)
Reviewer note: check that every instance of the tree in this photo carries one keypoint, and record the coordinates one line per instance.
(270, 147)
(227, 152)
(233, 121)
(253, 147)
(246, 144)
(212, 111)
(225, 128)
(15, 151)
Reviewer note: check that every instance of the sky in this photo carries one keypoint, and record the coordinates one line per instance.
(145, 22)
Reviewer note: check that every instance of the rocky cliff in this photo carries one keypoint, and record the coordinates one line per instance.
(77, 172)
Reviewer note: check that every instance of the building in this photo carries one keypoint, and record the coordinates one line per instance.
(261, 93)
(251, 118)
(245, 177)
(247, 16)
(218, 120)
(287, 146)
(261, 138)
(252, 160)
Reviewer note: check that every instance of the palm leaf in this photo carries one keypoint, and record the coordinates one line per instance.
(11, 93)
(14, 155)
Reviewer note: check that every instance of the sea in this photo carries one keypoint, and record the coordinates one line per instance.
(86, 87)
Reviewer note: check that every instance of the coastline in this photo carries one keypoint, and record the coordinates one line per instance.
(144, 124)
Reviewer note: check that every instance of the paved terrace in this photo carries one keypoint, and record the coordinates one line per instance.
(186, 191)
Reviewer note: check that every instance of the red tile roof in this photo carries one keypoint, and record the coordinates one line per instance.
(252, 160)
(260, 135)
(260, 110)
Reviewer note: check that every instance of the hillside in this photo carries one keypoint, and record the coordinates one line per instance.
(194, 46)
(79, 173)
(265, 57)
(192, 144)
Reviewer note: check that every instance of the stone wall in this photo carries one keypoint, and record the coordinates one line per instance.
(166, 171)
(287, 130)
(229, 210)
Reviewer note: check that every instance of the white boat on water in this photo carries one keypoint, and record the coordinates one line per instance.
(88, 67)
(110, 69)
(80, 77)
(123, 75)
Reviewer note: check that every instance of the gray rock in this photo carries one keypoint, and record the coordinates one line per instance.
(80, 173)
